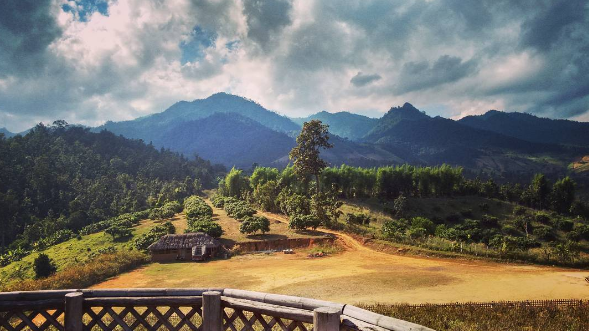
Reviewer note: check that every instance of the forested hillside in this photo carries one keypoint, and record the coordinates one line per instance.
(531, 128)
(57, 179)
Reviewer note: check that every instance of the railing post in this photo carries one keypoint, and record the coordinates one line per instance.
(326, 319)
(212, 313)
(74, 311)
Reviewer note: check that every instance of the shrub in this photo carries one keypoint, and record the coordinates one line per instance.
(209, 227)
(253, 224)
(489, 221)
(218, 201)
(562, 224)
(544, 232)
(293, 204)
(43, 266)
(423, 223)
(363, 219)
(119, 232)
(129, 218)
(302, 222)
(511, 230)
(519, 211)
(85, 275)
(153, 235)
(239, 209)
(195, 206)
(542, 217)
(392, 228)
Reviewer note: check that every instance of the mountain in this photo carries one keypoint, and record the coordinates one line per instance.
(392, 118)
(230, 139)
(149, 128)
(6, 133)
(531, 128)
(343, 124)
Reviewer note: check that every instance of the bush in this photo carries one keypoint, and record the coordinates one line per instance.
(253, 224)
(362, 219)
(392, 228)
(564, 225)
(207, 226)
(489, 221)
(195, 207)
(43, 266)
(302, 222)
(129, 218)
(542, 217)
(423, 223)
(153, 235)
(239, 209)
(85, 275)
(218, 201)
(293, 204)
(519, 211)
(544, 232)
(119, 232)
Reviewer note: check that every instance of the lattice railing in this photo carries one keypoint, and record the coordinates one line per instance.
(183, 309)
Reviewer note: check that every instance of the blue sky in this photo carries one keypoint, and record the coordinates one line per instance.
(91, 61)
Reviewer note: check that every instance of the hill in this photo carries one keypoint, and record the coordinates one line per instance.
(531, 128)
(6, 133)
(64, 178)
(343, 124)
(230, 139)
(150, 128)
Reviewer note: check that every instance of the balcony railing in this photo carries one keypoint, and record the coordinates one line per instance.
(211, 309)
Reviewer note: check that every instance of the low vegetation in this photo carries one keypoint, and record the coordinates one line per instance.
(200, 217)
(474, 318)
(87, 274)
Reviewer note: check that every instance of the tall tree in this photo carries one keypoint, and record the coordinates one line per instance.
(307, 161)
(563, 195)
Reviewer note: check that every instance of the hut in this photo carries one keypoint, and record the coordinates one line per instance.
(189, 246)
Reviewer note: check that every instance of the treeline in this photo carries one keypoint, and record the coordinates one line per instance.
(65, 178)
(269, 188)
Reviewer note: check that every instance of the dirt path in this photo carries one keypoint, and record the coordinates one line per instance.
(360, 274)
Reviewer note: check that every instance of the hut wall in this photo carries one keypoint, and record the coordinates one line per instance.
(163, 256)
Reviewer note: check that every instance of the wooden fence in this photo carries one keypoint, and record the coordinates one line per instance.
(492, 304)
(183, 309)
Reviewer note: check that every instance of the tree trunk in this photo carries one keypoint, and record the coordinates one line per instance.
(317, 182)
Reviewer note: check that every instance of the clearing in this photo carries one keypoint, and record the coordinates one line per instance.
(360, 274)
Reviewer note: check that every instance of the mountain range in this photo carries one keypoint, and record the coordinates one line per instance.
(236, 131)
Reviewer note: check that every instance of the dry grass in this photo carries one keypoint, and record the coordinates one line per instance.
(473, 318)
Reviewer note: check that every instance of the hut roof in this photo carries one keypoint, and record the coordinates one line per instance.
(187, 240)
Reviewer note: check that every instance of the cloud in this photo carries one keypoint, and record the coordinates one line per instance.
(265, 18)
(364, 79)
(89, 61)
(423, 75)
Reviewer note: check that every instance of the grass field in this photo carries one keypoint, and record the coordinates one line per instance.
(360, 274)
(76, 251)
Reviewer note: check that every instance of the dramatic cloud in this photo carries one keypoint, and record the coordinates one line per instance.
(88, 61)
(361, 79)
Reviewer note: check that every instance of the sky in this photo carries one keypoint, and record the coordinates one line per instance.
(89, 61)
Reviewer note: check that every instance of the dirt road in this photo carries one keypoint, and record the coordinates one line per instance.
(360, 274)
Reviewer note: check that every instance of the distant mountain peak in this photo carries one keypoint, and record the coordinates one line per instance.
(407, 111)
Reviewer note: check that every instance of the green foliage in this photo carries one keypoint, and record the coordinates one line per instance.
(325, 207)
(195, 207)
(239, 209)
(293, 203)
(253, 224)
(400, 206)
(218, 201)
(563, 195)
(168, 210)
(303, 222)
(154, 234)
(263, 175)
(395, 228)
(132, 218)
(119, 231)
(235, 184)
(305, 155)
(43, 266)
(265, 195)
(205, 225)
(63, 177)
(362, 219)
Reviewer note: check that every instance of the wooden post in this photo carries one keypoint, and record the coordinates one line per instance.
(212, 313)
(74, 311)
(326, 319)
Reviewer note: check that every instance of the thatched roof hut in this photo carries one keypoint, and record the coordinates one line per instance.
(197, 246)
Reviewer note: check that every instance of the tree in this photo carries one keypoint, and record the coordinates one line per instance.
(253, 224)
(305, 154)
(43, 266)
(540, 191)
(563, 195)
(400, 206)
